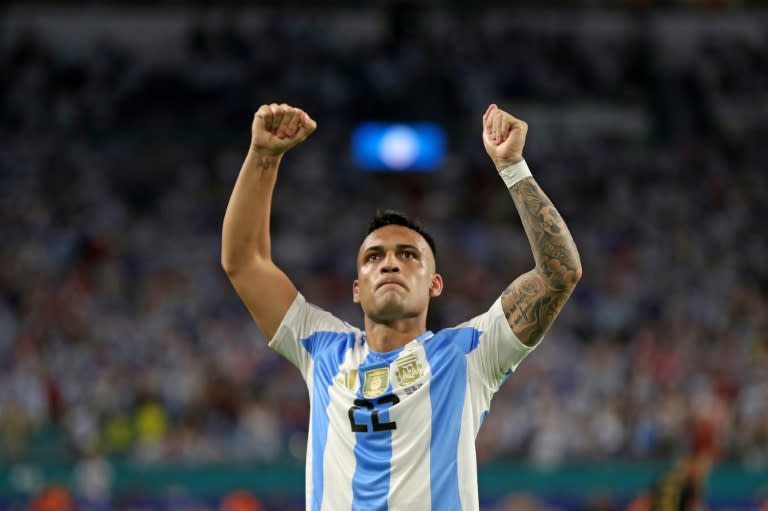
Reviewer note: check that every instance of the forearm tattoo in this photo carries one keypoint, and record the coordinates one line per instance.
(534, 299)
(265, 163)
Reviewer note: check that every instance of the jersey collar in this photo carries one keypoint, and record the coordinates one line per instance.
(421, 339)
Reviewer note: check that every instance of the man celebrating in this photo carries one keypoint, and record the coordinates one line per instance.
(395, 408)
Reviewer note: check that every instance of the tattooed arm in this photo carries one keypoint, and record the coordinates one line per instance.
(533, 301)
(246, 253)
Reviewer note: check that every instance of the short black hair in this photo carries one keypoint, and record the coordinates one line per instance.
(384, 217)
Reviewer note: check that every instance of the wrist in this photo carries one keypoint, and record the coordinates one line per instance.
(264, 161)
(514, 173)
(503, 164)
(265, 154)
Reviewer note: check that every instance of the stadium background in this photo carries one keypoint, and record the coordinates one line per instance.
(131, 375)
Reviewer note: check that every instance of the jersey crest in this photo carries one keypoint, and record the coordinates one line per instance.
(375, 382)
(408, 369)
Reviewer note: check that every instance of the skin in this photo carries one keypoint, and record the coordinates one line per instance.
(396, 278)
(533, 300)
(246, 253)
(395, 313)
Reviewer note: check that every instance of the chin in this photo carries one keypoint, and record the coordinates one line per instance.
(390, 310)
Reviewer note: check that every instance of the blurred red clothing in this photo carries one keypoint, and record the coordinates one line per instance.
(241, 501)
(53, 498)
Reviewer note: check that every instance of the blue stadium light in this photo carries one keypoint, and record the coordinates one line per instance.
(398, 147)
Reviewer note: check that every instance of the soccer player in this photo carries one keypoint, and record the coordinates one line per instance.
(395, 408)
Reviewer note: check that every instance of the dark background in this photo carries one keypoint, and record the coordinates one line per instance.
(123, 126)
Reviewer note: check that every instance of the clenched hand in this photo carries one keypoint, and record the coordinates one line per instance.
(277, 128)
(503, 137)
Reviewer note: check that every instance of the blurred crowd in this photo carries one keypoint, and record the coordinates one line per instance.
(120, 335)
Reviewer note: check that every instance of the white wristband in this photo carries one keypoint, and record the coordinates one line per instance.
(514, 173)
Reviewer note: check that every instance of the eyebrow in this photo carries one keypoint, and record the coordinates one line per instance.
(399, 246)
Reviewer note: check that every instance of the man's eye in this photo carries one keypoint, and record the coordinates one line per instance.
(371, 257)
(409, 255)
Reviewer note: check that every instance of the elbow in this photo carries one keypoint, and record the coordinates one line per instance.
(238, 256)
(573, 275)
(231, 264)
(232, 260)
(564, 275)
(227, 261)
(576, 277)
(566, 280)
(233, 269)
(235, 266)
(227, 266)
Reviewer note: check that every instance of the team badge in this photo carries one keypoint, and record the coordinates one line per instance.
(408, 369)
(375, 382)
(348, 379)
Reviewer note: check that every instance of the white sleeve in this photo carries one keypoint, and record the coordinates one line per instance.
(498, 350)
(305, 330)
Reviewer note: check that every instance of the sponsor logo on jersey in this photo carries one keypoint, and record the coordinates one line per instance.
(413, 388)
(408, 369)
(375, 382)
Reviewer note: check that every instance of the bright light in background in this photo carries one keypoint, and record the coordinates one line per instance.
(378, 146)
(399, 147)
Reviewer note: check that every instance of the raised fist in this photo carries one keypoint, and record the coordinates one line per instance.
(277, 128)
(503, 137)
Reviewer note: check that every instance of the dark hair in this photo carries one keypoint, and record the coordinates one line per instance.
(384, 217)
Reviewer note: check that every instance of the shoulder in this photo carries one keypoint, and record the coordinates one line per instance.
(465, 337)
(339, 340)
(314, 328)
(307, 318)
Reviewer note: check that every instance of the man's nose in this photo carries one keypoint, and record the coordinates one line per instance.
(390, 264)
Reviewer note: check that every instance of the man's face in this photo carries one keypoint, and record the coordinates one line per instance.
(395, 274)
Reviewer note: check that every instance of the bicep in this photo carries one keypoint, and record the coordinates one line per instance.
(531, 303)
(267, 293)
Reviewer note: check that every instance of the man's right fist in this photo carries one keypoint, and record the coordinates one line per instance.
(277, 128)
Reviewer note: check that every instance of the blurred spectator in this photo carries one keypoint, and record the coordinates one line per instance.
(53, 498)
(120, 337)
(520, 502)
(241, 501)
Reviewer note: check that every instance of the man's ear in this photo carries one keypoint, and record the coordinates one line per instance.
(436, 287)
(355, 292)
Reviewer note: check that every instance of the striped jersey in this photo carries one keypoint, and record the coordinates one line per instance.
(396, 430)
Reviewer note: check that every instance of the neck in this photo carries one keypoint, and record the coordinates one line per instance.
(383, 337)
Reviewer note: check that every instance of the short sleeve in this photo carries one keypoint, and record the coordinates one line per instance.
(498, 351)
(305, 330)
